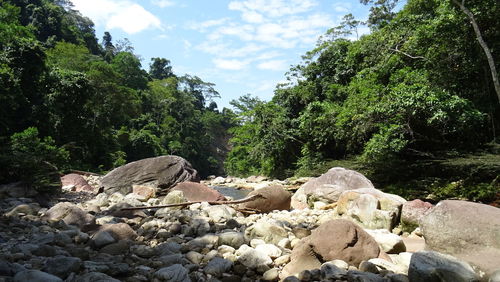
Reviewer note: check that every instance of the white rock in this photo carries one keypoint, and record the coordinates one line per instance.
(116, 197)
(269, 249)
(255, 242)
(383, 264)
(194, 257)
(284, 259)
(340, 264)
(232, 238)
(220, 213)
(253, 258)
(270, 275)
(389, 242)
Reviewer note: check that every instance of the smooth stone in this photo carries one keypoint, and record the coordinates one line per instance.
(217, 266)
(35, 276)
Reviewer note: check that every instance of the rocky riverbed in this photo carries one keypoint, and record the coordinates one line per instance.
(86, 236)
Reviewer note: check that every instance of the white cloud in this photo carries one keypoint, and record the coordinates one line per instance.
(341, 9)
(273, 8)
(203, 26)
(275, 65)
(163, 3)
(230, 64)
(120, 14)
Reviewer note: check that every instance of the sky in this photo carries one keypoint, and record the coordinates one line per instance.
(242, 46)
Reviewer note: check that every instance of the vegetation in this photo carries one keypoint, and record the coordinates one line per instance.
(392, 104)
(413, 105)
(67, 101)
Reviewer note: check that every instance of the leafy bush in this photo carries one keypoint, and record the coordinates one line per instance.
(36, 161)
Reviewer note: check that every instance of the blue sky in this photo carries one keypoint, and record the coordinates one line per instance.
(243, 46)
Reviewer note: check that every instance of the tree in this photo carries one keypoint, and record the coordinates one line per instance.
(483, 44)
(109, 48)
(160, 68)
(381, 13)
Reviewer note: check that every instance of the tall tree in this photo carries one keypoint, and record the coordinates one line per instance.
(479, 37)
(160, 68)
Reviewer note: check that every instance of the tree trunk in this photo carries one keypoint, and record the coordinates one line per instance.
(480, 39)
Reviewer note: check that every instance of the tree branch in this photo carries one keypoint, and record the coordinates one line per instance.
(248, 199)
(406, 54)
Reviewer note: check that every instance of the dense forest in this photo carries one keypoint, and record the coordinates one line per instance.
(411, 100)
(70, 101)
(416, 90)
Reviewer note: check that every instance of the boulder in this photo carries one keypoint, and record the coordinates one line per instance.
(334, 239)
(198, 192)
(370, 207)
(432, 266)
(70, 214)
(77, 183)
(412, 212)
(62, 266)
(466, 230)
(328, 187)
(271, 198)
(162, 172)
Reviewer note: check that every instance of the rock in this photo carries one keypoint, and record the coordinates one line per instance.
(217, 266)
(466, 230)
(119, 231)
(144, 251)
(78, 182)
(388, 242)
(103, 238)
(161, 172)
(271, 275)
(371, 208)
(271, 198)
(367, 266)
(23, 209)
(342, 239)
(199, 243)
(354, 275)
(412, 212)
(269, 249)
(495, 276)
(328, 187)
(330, 271)
(220, 213)
(269, 230)
(198, 192)
(194, 257)
(174, 197)
(118, 248)
(174, 272)
(70, 214)
(35, 276)
(95, 277)
(383, 264)
(335, 239)
(252, 258)
(62, 266)
(414, 244)
(432, 266)
(143, 191)
(232, 238)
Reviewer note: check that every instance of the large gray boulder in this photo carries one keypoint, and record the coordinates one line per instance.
(466, 230)
(328, 187)
(433, 266)
(161, 172)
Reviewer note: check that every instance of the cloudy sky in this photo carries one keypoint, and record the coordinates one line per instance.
(243, 46)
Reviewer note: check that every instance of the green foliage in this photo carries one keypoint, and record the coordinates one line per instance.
(36, 161)
(391, 103)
